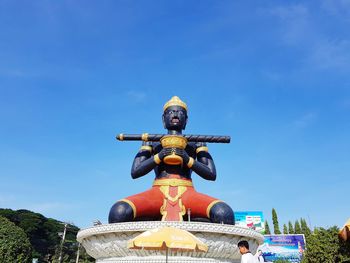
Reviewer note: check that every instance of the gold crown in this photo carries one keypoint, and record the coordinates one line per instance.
(175, 101)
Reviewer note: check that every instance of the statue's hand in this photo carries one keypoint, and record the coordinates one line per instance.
(182, 153)
(164, 152)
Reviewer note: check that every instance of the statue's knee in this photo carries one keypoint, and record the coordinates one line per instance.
(222, 213)
(120, 212)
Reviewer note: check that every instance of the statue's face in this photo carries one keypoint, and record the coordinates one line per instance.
(175, 118)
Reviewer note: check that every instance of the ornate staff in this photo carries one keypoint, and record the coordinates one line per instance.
(158, 137)
(173, 141)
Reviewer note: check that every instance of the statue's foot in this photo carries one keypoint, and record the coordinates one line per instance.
(120, 212)
(222, 213)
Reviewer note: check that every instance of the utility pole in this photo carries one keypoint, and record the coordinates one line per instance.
(78, 254)
(63, 238)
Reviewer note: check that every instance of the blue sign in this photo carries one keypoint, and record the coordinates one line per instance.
(250, 219)
(287, 247)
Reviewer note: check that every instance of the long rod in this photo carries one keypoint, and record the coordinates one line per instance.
(189, 137)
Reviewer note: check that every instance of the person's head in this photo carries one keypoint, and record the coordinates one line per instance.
(243, 246)
(175, 114)
(259, 252)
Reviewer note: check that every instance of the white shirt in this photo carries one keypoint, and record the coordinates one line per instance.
(261, 259)
(248, 258)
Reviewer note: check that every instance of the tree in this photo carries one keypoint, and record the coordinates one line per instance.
(304, 227)
(285, 229)
(43, 234)
(14, 243)
(267, 229)
(297, 228)
(290, 228)
(276, 228)
(323, 245)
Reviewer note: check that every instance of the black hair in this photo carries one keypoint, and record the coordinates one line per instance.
(243, 243)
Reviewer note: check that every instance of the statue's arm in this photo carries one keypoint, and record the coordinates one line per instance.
(204, 166)
(145, 161)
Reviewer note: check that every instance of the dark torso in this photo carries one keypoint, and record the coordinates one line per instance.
(163, 170)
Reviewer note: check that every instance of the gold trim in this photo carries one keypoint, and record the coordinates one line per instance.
(146, 148)
(131, 204)
(175, 101)
(180, 191)
(173, 159)
(173, 141)
(211, 205)
(144, 137)
(172, 182)
(190, 162)
(121, 137)
(156, 159)
(202, 149)
(165, 190)
(183, 210)
(163, 212)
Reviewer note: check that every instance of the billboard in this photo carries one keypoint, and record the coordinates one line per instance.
(250, 219)
(287, 247)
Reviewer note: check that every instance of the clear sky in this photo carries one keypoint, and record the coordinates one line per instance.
(274, 75)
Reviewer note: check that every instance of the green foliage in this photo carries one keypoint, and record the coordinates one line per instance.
(267, 229)
(14, 244)
(304, 228)
(297, 228)
(43, 234)
(276, 228)
(84, 257)
(290, 228)
(323, 245)
(285, 229)
(281, 261)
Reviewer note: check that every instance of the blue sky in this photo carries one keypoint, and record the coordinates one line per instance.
(274, 75)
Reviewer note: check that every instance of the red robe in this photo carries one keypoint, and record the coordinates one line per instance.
(171, 197)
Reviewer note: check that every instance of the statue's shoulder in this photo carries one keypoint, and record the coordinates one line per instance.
(151, 146)
(196, 145)
(191, 148)
(156, 146)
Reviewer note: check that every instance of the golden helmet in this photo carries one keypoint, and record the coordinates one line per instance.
(175, 101)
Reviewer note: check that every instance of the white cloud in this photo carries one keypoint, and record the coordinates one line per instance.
(332, 54)
(17, 73)
(339, 8)
(294, 22)
(271, 75)
(136, 96)
(304, 120)
(289, 12)
(345, 104)
(45, 208)
(300, 28)
(5, 200)
(48, 207)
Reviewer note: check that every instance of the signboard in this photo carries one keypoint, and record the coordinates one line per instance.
(287, 247)
(250, 219)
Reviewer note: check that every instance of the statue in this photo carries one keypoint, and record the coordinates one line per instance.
(172, 196)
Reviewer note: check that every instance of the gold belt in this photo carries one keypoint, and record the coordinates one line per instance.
(172, 182)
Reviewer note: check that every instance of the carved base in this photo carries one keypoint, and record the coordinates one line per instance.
(108, 243)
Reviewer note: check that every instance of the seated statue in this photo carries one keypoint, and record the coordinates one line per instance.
(172, 196)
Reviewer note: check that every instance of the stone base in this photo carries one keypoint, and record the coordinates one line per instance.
(108, 243)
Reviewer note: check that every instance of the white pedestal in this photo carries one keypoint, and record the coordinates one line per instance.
(108, 243)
